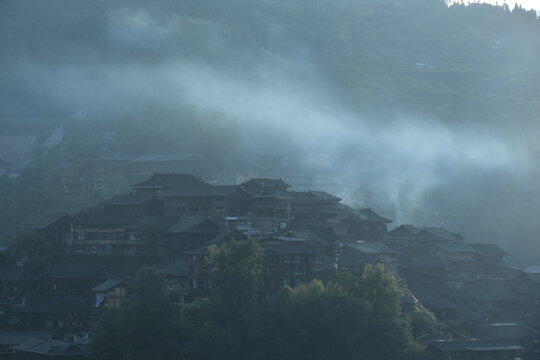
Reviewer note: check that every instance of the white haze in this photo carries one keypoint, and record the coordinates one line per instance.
(395, 165)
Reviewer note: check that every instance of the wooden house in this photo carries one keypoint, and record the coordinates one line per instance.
(362, 224)
(474, 349)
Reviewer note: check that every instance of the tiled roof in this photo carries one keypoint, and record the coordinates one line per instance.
(365, 215)
(50, 347)
(16, 337)
(170, 181)
(200, 190)
(473, 345)
(488, 249)
(187, 224)
(102, 218)
(285, 249)
(264, 182)
(505, 331)
(107, 285)
(457, 247)
(37, 222)
(370, 247)
(129, 199)
(442, 234)
(404, 230)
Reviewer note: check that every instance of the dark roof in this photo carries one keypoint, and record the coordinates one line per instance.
(456, 247)
(16, 337)
(153, 223)
(45, 305)
(505, 331)
(311, 197)
(441, 234)
(473, 345)
(325, 196)
(290, 239)
(370, 248)
(491, 294)
(285, 249)
(264, 182)
(107, 285)
(365, 215)
(488, 249)
(76, 271)
(404, 230)
(300, 197)
(353, 261)
(204, 190)
(130, 199)
(314, 240)
(422, 262)
(42, 221)
(101, 218)
(176, 267)
(200, 251)
(49, 347)
(432, 296)
(193, 224)
(158, 181)
(225, 235)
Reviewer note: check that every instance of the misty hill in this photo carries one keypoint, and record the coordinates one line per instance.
(424, 110)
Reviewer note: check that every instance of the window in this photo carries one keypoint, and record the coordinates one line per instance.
(194, 283)
(286, 259)
(297, 259)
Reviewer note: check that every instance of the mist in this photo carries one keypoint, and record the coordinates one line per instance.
(114, 63)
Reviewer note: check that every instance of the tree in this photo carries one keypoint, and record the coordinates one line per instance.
(236, 269)
(144, 328)
(315, 321)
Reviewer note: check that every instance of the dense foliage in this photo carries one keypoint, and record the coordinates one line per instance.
(353, 317)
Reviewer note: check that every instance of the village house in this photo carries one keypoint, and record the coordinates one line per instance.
(521, 335)
(474, 349)
(189, 233)
(268, 204)
(71, 280)
(459, 261)
(110, 294)
(355, 255)
(213, 201)
(313, 207)
(137, 204)
(10, 338)
(361, 224)
(287, 262)
(62, 314)
(16, 284)
(490, 264)
(48, 349)
(434, 297)
(93, 231)
(176, 272)
(50, 227)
